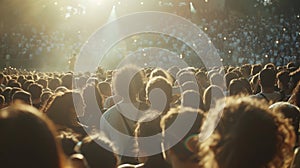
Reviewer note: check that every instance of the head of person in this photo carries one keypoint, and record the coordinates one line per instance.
(192, 99)
(54, 83)
(267, 78)
(180, 131)
(256, 69)
(236, 88)
(202, 79)
(92, 99)
(127, 82)
(185, 76)
(250, 135)
(211, 95)
(229, 77)
(63, 109)
(148, 126)
(159, 93)
(295, 97)
(291, 112)
(67, 81)
(28, 139)
(218, 80)
(283, 79)
(99, 152)
(161, 72)
(22, 96)
(2, 101)
(246, 70)
(35, 90)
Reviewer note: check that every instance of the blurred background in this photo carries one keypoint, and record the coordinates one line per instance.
(45, 34)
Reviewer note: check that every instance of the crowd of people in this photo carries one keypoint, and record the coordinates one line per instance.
(238, 39)
(79, 119)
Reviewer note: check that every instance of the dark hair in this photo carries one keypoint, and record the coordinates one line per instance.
(23, 96)
(149, 125)
(67, 81)
(28, 139)
(185, 148)
(211, 95)
(35, 90)
(129, 75)
(256, 69)
(295, 97)
(229, 77)
(267, 78)
(99, 152)
(62, 108)
(54, 83)
(236, 88)
(190, 98)
(163, 85)
(283, 78)
(289, 111)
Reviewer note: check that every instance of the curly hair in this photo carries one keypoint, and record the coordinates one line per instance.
(249, 135)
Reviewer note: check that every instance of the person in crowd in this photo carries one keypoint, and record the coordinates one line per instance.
(295, 97)
(121, 118)
(64, 109)
(98, 151)
(22, 96)
(2, 102)
(248, 135)
(236, 88)
(159, 94)
(283, 84)
(93, 106)
(149, 155)
(290, 112)
(54, 83)
(36, 91)
(211, 95)
(180, 149)
(28, 139)
(192, 99)
(267, 78)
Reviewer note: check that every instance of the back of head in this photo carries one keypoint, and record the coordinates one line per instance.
(67, 81)
(22, 96)
(267, 78)
(211, 95)
(229, 77)
(62, 108)
(218, 80)
(127, 82)
(99, 152)
(290, 112)
(256, 69)
(27, 139)
(35, 90)
(283, 78)
(155, 96)
(173, 125)
(250, 135)
(236, 88)
(192, 99)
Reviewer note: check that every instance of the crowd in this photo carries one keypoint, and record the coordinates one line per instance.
(79, 119)
(238, 39)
